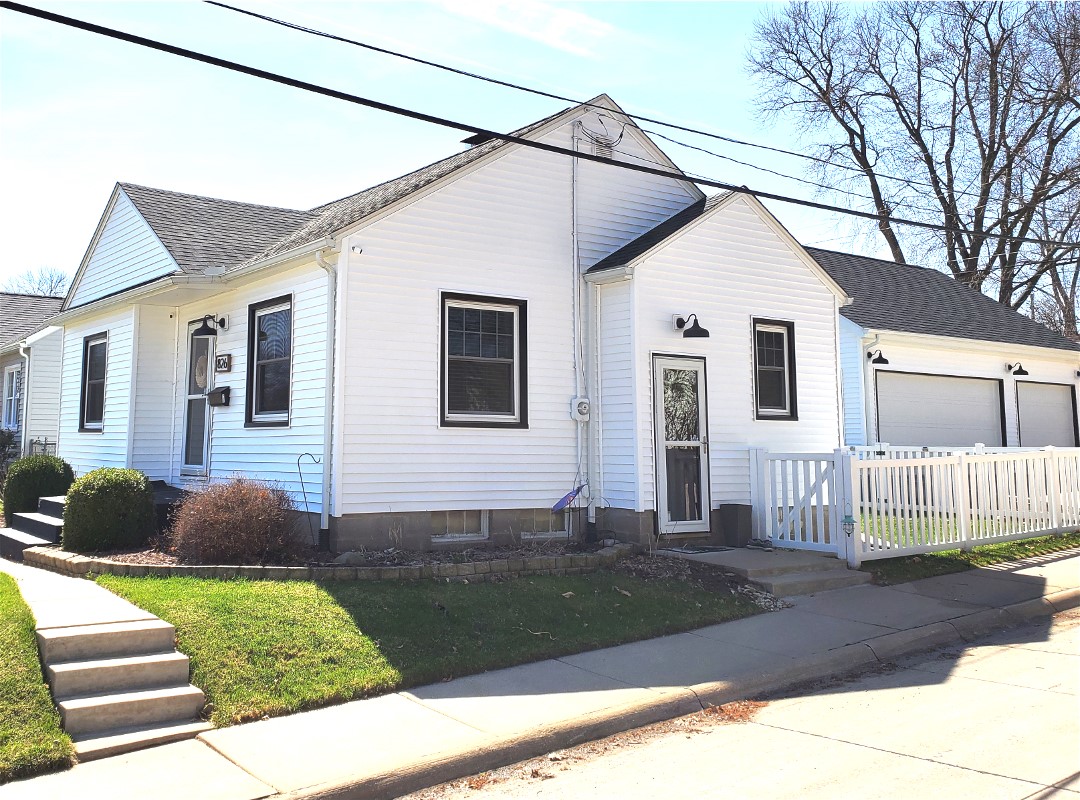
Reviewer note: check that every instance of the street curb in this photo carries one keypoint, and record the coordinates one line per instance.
(1038, 607)
(925, 637)
(1065, 599)
(980, 623)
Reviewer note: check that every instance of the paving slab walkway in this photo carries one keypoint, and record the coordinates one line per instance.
(391, 745)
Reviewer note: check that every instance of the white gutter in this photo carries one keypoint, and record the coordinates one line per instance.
(868, 386)
(613, 275)
(328, 393)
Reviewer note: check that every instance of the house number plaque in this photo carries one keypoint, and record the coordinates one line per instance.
(223, 362)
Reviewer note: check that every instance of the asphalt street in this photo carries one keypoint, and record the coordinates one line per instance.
(999, 718)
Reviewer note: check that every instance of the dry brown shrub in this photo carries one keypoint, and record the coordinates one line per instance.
(243, 521)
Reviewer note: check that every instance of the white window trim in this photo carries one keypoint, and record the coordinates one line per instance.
(771, 410)
(272, 416)
(515, 370)
(88, 342)
(12, 398)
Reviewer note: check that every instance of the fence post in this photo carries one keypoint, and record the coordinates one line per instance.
(963, 500)
(847, 502)
(1053, 487)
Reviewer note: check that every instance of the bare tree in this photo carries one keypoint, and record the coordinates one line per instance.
(963, 114)
(45, 281)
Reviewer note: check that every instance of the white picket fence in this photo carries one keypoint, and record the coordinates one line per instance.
(912, 501)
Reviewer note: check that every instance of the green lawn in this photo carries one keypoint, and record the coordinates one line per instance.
(910, 568)
(262, 648)
(31, 740)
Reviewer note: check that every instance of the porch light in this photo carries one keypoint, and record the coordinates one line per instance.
(1017, 369)
(205, 330)
(695, 331)
(848, 524)
(878, 359)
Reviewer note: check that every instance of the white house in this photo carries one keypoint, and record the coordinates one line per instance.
(28, 396)
(445, 355)
(929, 362)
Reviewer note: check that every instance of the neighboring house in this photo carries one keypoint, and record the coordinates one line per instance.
(443, 356)
(928, 361)
(22, 331)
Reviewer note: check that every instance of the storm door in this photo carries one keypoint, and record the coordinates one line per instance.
(196, 410)
(682, 463)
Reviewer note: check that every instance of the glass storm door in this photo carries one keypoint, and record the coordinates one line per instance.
(196, 409)
(682, 464)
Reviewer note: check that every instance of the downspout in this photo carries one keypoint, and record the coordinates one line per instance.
(328, 402)
(24, 411)
(868, 387)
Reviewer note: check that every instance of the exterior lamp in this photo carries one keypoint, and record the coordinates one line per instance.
(695, 331)
(205, 330)
(878, 359)
(848, 524)
(1017, 369)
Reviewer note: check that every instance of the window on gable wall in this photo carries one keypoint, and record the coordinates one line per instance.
(12, 398)
(774, 370)
(483, 362)
(92, 401)
(269, 362)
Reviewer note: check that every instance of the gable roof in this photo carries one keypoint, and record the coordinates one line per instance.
(910, 299)
(23, 314)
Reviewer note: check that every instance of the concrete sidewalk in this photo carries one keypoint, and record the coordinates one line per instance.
(391, 745)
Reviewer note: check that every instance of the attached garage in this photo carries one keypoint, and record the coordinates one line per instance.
(1047, 414)
(938, 410)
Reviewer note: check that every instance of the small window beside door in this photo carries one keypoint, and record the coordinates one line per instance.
(269, 362)
(774, 370)
(12, 398)
(92, 399)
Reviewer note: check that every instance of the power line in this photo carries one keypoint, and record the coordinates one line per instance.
(461, 126)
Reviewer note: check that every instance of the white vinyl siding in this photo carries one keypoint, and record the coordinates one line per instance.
(615, 417)
(151, 442)
(851, 368)
(936, 410)
(125, 253)
(1047, 414)
(42, 393)
(731, 268)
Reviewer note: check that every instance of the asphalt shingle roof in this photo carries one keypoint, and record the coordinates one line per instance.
(901, 297)
(23, 314)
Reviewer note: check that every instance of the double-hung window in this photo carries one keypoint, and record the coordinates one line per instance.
(483, 362)
(774, 370)
(269, 362)
(92, 400)
(12, 398)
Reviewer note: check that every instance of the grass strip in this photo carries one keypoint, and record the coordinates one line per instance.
(264, 648)
(31, 739)
(911, 568)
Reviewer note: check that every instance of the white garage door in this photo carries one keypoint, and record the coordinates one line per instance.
(1047, 414)
(938, 411)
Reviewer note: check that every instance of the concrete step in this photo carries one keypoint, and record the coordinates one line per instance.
(115, 639)
(124, 740)
(76, 678)
(41, 525)
(103, 712)
(53, 506)
(754, 564)
(13, 542)
(792, 584)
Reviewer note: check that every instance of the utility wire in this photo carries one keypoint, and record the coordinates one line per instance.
(473, 129)
(541, 93)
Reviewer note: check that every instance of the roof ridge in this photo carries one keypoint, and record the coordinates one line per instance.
(125, 185)
(29, 294)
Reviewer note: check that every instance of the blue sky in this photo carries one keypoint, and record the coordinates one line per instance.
(79, 112)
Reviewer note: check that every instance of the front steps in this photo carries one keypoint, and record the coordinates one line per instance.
(120, 686)
(33, 528)
(788, 574)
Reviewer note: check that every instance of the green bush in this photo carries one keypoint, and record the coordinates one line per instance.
(31, 478)
(108, 509)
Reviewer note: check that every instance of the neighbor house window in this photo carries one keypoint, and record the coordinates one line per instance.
(774, 370)
(483, 362)
(12, 398)
(269, 362)
(92, 402)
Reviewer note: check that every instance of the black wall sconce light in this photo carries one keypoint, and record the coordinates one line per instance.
(694, 331)
(877, 359)
(1017, 369)
(205, 330)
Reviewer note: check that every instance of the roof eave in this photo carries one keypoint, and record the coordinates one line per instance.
(977, 345)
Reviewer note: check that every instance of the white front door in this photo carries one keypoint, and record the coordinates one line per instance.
(200, 373)
(682, 451)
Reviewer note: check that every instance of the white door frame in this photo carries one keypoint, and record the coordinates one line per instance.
(664, 520)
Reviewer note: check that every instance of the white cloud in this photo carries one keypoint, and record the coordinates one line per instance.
(560, 28)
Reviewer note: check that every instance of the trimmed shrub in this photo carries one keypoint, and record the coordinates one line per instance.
(243, 521)
(31, 478)
(108, 509)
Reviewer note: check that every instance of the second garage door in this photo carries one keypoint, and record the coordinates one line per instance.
(937, 410)
(1047, 414)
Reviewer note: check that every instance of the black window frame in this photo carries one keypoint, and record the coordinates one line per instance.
(251, 419)
(85, 425)
(792, 412)
(519, 420)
